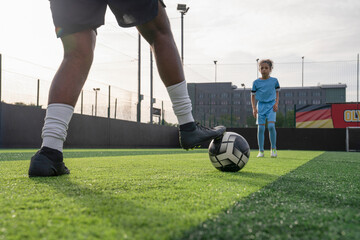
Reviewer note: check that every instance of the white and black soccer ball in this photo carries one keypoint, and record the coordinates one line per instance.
(229, 153)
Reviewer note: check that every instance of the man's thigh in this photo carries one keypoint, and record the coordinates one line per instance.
(71, 16)
(131, 13)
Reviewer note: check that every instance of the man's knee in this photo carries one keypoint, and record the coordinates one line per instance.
(79, 46)
(157, 28)
(155, 33)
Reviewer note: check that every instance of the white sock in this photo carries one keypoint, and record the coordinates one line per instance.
(181, 102)
(56, 124)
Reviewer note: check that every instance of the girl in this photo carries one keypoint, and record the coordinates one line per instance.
(265, 91)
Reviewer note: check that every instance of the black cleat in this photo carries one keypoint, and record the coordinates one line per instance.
(193, 134)
(47, 162)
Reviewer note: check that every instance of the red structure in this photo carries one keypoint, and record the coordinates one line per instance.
(334, 115)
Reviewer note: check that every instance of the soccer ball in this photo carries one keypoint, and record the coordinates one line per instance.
(229, 153)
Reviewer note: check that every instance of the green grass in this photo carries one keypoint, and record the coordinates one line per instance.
(319, 200)
(174, 194)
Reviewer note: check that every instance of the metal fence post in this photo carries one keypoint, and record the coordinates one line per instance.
(0, 74)
(38, 93)
(109, 102)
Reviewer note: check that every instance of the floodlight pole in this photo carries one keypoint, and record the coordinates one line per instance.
(96, 90)
(38, 93)
(357, 88)
(215, 62)
(357, 77)
(109, 101)
(0, 74)
(82, 101)
(115, 108)
(183, 10)
(182, 38)
(151, 87)
(302, 72)
(257, 68)
(138, 115)
(162, 112)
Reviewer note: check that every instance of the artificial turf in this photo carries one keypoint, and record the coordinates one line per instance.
(173, 194)
(318, 200)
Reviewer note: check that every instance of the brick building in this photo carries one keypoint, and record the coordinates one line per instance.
(225, 103)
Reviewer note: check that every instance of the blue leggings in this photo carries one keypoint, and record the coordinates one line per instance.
(261, 135)
(272, 134)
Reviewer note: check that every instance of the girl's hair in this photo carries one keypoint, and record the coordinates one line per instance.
(268, 61)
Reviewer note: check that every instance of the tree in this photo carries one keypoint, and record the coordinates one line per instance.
(226, 120)
(289, 119)
(285, 121)
(280, 119)
(251, 121)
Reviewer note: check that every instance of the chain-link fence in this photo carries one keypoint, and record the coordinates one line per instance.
(106, 101)
(20, 84)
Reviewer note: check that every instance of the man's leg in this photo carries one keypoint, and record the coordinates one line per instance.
(158, 34)
(73, 71)
(64, 92)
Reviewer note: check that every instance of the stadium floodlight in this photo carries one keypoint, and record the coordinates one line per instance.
(183, 10)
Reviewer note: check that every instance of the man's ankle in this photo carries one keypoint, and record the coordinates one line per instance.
(53, 154)
(188, 127)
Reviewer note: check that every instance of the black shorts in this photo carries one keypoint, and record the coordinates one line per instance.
(71, 16)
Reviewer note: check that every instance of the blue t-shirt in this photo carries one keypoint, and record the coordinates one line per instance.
(265, 90)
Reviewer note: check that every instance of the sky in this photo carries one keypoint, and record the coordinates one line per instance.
(234, 33)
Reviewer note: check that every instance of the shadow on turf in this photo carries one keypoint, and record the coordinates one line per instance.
(318, 200)
(115, 210)
(103, 208)
(255, 178)
(244, 173)
(84, 154)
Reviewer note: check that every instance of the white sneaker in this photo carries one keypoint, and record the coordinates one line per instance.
(273, 153)
(261, 154)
